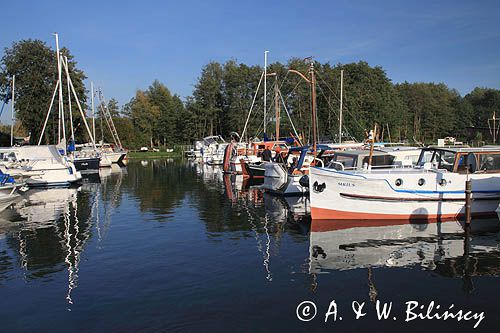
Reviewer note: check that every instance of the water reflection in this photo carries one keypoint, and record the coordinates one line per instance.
(439, 247)
(202, 232)
(267, 216)
(48, 229)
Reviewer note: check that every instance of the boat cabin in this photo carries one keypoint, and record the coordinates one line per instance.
(461, 160)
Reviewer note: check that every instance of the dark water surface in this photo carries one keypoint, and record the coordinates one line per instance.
(173, 246)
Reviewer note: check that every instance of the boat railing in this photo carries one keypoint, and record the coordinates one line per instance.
(388, 168)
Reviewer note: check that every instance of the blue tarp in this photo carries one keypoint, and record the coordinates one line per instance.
(71, 146)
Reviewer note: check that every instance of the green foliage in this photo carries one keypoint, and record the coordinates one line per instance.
(484, 102)
(432, 110)
(223, 96)
(35, 66)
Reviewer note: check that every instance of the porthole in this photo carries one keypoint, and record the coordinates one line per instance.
(443, 182)
(398, 182)
(421, 182)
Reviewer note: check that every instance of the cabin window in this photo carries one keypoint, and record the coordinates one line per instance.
(380, 160)
(462, 164)
(347, 161)
(489, 162)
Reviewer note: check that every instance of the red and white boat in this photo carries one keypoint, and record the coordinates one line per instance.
(434, 189)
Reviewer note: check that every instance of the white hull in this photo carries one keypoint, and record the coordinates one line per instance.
(278, 181)
(105, 162)
(375, 195)
(60, 177)
(114, 157)
(41, 166)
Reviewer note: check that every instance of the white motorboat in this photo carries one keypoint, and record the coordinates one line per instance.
(434, 189)
(210, 150)
(284, 178)
(39, 166)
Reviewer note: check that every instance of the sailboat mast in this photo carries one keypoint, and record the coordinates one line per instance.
(69, 101)
(12, 111)
(265, 90)
(93, 109)
(61, 106)
(277, 108)
(341, 100)
(313, 106)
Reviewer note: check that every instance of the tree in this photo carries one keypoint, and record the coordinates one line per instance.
(35, 66)
(144, 116)
(484, 102)
(160, 97)
(208, 93)
(431, 109)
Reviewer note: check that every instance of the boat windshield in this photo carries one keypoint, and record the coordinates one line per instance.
(442, 159)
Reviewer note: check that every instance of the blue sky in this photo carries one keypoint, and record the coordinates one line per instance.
(123, 45)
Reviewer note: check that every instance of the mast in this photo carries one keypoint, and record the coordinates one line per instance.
(69, 101)
(93, 109)
(277, 108)
(340, 111)
(61, 107)
(313, 106)
(312, 82)
(12, 111)
(82, 114)
(265, 90)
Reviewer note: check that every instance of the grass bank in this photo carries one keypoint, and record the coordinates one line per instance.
(151, 154)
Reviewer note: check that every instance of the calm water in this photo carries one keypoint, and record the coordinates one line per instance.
(172, 246)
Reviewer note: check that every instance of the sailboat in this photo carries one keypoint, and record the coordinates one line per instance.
(40, 165)
(110, 153)
(283, 177)
(85, 161)
(82, 162)
(246, 158)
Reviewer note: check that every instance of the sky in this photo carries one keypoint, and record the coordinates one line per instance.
(123, 45)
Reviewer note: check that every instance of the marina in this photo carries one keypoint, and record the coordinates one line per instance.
(211, 167)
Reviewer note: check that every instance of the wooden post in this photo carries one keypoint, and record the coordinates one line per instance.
(468, 201)
(372, 145)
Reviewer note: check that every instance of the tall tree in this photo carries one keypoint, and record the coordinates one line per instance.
(431, 109)
(144, 116)
(35, 66)
(208, 93)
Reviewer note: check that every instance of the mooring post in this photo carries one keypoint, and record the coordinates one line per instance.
(468, 201)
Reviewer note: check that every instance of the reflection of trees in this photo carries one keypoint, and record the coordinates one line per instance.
(159, 186)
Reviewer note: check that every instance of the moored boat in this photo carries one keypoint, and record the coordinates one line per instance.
(39, 166)
(434, 189)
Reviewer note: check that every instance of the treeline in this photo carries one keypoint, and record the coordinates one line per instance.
(224, 93)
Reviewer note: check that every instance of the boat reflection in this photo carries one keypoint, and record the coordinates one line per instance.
(441, 247)
(267, 216)
(48, 229)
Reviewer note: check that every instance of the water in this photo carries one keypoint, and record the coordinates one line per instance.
(172, 246)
